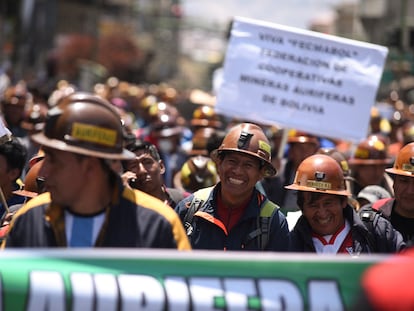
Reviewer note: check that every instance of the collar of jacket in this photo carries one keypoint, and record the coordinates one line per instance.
(252, 210)
(55, 216)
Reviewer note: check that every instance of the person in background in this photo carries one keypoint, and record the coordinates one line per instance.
(328, 224)
(85, 203)
(197, 172)
(340, 158)
(399, 210)
(368, 165)
(200, 140)
(273, 186)
(300, 146)
(166, 132)
(33, 122)
(397, 123)
(145, 173)
(234, 215)
(13, 105)
(204, 116)
(13, 157)
(371, 194)
(33, 185)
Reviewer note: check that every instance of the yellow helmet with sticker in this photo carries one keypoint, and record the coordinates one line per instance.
(371, 151)
(87, 124)
(249, 139)
(196, 173)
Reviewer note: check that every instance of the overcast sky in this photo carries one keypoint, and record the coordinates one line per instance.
(296, 13)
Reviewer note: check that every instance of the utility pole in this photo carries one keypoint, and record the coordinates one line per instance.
(404, 39)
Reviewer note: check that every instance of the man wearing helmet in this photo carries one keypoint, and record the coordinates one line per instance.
(368, 165)
(13, 105)
(197, 172)
(167, 133)
(328, 224)
(399, 210)
(229, 216)
(86, 204)
(301, 145)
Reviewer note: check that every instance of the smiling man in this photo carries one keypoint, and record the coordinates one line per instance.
(328, 224)
(234, 215)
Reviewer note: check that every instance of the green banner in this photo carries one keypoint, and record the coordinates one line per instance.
(115, 279)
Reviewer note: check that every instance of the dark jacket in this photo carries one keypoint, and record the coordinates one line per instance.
(210, 233)
(383, 239)
(134, 219)
(386, 208)
(175, 196)
(15, 199)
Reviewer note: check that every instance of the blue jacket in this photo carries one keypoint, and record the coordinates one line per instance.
(134, 219)
(210, 233)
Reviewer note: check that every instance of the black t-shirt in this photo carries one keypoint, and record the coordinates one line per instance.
(404, 225)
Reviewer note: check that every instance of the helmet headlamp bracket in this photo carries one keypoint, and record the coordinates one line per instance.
(244, 140)
(319, 176)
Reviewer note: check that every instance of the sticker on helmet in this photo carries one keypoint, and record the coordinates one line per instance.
(94, 134)
(319, 184)
(408, 167)
(264, 146)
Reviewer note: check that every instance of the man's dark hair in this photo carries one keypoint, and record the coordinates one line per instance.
(15, 153)
(147, 147)
(300, 200)
(139, 145)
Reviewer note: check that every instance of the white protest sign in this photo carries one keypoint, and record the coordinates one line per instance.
(314, 82)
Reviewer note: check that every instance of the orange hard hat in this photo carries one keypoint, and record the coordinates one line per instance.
(248, 138)
(320, 173)
(404, 163)
(31, 182)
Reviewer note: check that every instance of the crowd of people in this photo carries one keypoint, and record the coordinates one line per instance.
(80, 159)
(233, 184)
(129, 165)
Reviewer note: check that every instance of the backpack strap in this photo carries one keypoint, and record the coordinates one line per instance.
(377, 204)
(199, 197)
(370, 218)
(175, 195)
(263, 224)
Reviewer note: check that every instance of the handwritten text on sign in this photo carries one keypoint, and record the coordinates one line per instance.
(322, 84)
